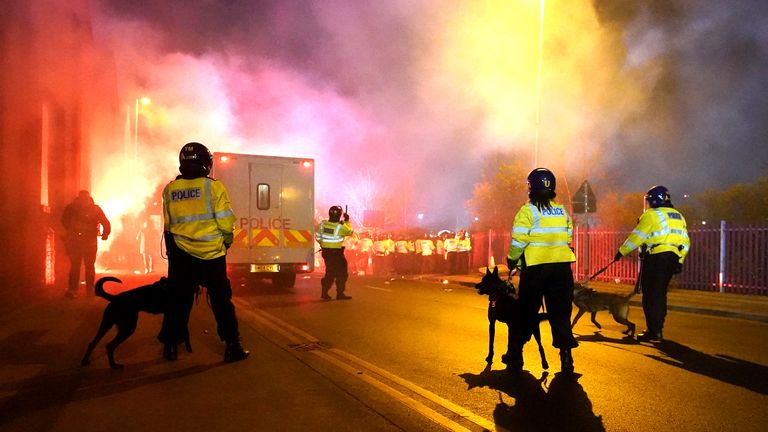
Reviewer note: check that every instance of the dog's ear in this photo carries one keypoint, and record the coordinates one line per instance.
(487, 271)
(495, 270)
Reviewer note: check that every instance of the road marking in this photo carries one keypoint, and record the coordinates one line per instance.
(298, 336)
(378, 288)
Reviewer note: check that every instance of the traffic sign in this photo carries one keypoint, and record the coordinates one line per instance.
(584, 200)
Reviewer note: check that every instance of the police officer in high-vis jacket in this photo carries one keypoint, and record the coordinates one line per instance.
(330, 234)
(199, 225)
(541, 239)
(662, 235)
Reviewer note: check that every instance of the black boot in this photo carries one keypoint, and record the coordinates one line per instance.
(170, 352)
(513, 360)
(566, 361)
(235, 352)
(650, 336)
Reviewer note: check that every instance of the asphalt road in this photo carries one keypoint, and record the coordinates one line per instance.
(710, 374)
(401, 355)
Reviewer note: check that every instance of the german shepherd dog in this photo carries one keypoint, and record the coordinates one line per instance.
(503, 305)
(589, 300)
(123, 312)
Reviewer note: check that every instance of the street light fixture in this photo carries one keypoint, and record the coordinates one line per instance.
(139, 101)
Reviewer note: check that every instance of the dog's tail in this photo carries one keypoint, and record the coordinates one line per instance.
(99, 287)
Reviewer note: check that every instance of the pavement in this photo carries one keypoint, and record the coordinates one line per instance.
(744, 306)
(43, 387)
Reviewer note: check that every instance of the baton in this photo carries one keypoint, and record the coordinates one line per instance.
(511, 272)
(638, 284)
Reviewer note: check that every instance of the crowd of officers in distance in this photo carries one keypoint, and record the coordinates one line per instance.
(401, 254)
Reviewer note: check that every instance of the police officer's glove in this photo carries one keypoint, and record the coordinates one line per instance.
(346, 217)
(227, 245)
(618, 256)
(511, 263)
(678, 268)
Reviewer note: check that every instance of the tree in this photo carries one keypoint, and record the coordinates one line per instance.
(619, 210)
(500, 193)
(743, 202)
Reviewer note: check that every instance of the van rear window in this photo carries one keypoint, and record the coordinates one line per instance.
(262, 196)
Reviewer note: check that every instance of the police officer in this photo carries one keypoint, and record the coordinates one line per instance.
(330, 234)
(83, 220)
(199, 225)
(662, 235)
(541, 239)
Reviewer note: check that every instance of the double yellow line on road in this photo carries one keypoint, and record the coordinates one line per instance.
(367, 372)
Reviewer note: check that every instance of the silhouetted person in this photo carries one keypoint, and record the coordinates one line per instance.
(84, 222)
(148, 237)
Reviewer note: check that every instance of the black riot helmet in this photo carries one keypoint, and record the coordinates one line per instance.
(541, 179)
(658, 196)
(195, 160)
(334, 213)
(541, 187)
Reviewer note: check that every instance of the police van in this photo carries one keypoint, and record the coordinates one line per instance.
(273, 199)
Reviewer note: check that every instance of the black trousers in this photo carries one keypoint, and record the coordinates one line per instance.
(553, 282)
(185, 274)
(335, 271)
(655, 277)
(82, 254)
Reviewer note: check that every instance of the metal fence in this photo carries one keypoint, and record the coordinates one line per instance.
(729, 258)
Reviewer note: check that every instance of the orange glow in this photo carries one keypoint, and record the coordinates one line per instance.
(491, 53)
(306, 164)
(223, 158)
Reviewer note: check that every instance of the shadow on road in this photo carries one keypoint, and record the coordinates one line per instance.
(742, 373)
(599, 337)
(53, 380)
(539, 405)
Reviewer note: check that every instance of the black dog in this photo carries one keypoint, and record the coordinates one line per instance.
(589, 300)
(123, 312)
(503, 306)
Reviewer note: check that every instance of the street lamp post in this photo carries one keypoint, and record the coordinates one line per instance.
(538, 83)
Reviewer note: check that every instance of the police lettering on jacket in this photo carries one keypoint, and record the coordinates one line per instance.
(185, 194)
(555, 211)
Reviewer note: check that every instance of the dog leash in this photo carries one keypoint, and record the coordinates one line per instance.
(599, 272)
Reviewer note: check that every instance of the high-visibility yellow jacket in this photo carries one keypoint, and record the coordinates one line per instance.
(464, 245)
(199, 215)
(661, 229)
(331, 235)
(543, 236)
(451, 244)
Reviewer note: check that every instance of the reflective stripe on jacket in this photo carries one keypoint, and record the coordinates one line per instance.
(543, 236)
(199, 215)
(661, 229)
(451, 244)
(331, 235)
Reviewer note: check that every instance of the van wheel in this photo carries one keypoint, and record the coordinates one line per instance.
(284, 280)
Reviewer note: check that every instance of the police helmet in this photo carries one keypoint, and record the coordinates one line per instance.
(541, 179)
(657, 196)
(334, 213)
(194, 153)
